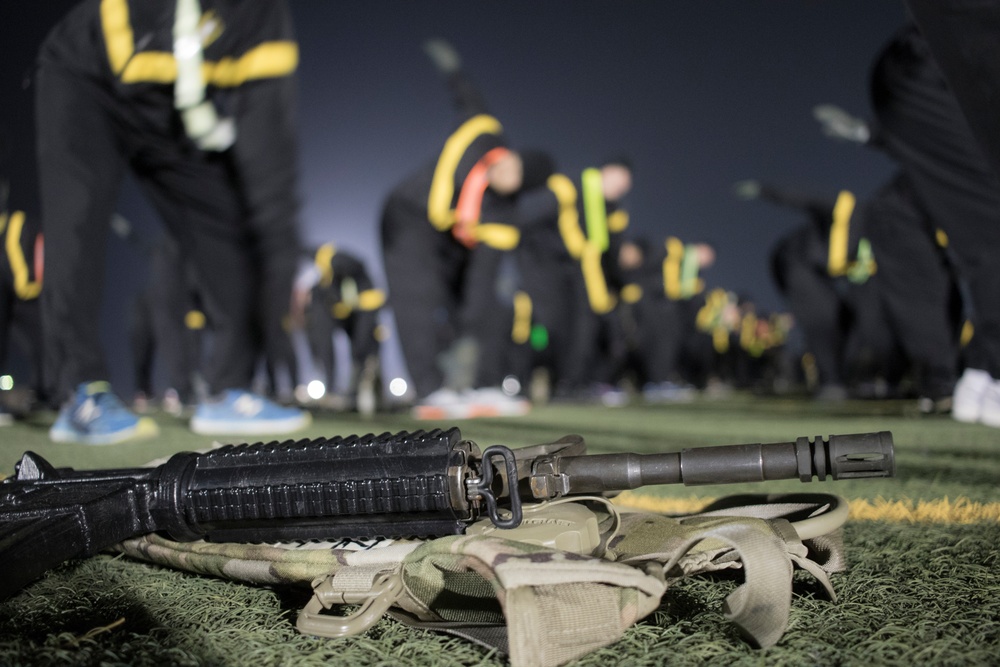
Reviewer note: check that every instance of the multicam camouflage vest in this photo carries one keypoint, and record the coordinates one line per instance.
(570, 580)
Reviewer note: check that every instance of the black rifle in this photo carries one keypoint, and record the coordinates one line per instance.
(390, 485)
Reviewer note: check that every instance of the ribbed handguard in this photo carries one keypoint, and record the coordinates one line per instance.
(403, 484)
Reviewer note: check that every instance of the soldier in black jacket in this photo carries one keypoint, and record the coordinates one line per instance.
(343, 297)
(934, 92)
(573, 231)
(823, 269)
(443, 232)
(196, 99)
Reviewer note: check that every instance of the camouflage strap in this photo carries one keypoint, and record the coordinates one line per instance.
(540, 605)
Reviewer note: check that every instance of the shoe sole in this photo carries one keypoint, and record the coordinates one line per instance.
(471, 411)
(249, 427)
(144, 428)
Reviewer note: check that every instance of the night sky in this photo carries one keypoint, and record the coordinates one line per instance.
(699, 95)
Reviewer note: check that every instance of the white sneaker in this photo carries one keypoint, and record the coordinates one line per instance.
(991, 405)
(494, 402)
(443, 403)
(969, 393)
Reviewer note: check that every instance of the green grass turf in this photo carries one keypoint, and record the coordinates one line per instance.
(915, 593)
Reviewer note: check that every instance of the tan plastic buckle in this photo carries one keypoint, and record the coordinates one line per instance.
(374, 603)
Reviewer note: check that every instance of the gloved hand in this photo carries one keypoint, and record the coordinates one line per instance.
(748, 189)
(839, 124)
(443, 55)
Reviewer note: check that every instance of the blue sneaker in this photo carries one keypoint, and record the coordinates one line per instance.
(95, 416)
(240, 412)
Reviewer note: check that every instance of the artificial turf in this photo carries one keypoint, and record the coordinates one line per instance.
(923, 584)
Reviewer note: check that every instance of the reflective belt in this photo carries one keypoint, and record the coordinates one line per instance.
(864, 266)
(690, 283)
(24, 287)
(680, 271)
(618, 221)
(631, 293)
(469, 208)
(442, 191)
(569, 216)
(194, 320)
(595, 209)
(521, 330)
(840, 233)
(324, 262)
(600, 299)
(201, 121)
(587, 249)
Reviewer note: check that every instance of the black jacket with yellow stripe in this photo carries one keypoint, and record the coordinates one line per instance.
(434, 187)
(124, 50)
(344, 286)
(838, 246)
(555, 232)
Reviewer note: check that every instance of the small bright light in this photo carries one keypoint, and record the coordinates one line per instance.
(316, 390)
(397, 387)
(511, 385)
(6, 382)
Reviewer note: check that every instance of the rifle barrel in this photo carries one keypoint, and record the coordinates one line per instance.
(839, 456)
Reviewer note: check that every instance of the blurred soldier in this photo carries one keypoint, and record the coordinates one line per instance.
(443, 232)
(572, 230)
(197, 100)
(664, 292)
(822, 268)
(343, 297)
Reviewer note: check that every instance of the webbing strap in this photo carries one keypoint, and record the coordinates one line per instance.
(759, 607)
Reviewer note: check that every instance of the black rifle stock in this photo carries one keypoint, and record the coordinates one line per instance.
(392, 485)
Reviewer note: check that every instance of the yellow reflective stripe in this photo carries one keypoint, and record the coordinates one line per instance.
(342, 310)
(521, 330)
(691, 284)
(496, 235)
(593, 277)
(267, 60)
(672, 267)
(117, 30)
(194, 320)
(968, 331)
(941, 238)
(24, 287)
(371, 299)
(631, 293)
(618, 221)
(569, 217)
(150, 67)
(442, 191)
(710, 314)
(839, 234)
(595, 211)
(720, 340)
(322, 260)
